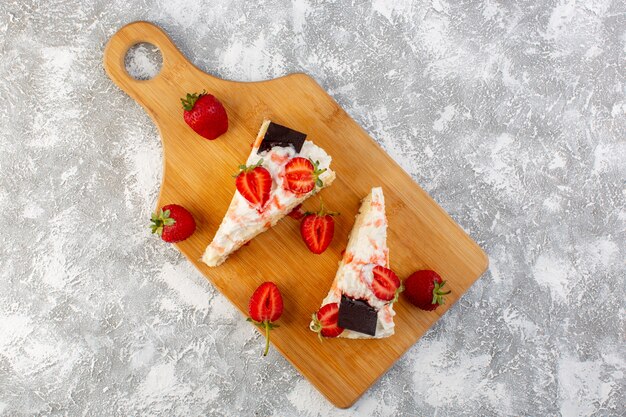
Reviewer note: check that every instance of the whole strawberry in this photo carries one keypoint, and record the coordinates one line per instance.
(317, 230)
(424, 289)
(325, 321)
(265, 307)
(173, 223)
(205, 115)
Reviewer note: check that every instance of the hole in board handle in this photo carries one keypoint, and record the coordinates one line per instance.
(143, 61)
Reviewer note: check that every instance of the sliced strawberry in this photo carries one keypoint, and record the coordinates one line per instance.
(385, 284)
(266, 303)
(254, 183)
(265, 307)
(317, 231)
(297, 212)
(325, 321)
(302, 175)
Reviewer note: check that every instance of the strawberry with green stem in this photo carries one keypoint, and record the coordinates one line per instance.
(254, 183)
(265, 307)
(317, 229)
(173, 223)
(205, 115)
(424, 289)
(325, 321)
(302, 175)
(385, 284)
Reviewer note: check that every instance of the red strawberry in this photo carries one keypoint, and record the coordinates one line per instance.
(317, 230)
(424, 289)
(297, 212)
(254, 183)
(325, 321)
(385, 284)
(205, 115)
(302, 175)
(173, 223)
(265, 307)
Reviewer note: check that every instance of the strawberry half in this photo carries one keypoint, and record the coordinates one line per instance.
(385, 284)
(173, 223)
(325, 321)
(254, 183)
(302, 175)
(424, 289)
(265, 307)
(317, 230)
(205, 115)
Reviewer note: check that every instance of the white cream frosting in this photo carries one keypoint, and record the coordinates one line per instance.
(367, 247)
(242, 221)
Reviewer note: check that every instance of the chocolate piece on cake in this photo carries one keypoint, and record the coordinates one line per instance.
(357, 315)
(278, 135)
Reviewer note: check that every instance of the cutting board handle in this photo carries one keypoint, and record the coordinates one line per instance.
(174, 66)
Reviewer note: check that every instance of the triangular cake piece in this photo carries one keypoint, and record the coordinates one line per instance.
(361, 313)
(275, 146)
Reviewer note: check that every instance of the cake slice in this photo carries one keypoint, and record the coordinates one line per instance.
(276, 149)
(361, 297)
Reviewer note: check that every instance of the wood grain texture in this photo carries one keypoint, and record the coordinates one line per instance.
(197, 174)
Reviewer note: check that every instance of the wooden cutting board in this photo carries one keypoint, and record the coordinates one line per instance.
(197, 174)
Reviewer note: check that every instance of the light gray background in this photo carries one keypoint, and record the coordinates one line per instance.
(512, 116)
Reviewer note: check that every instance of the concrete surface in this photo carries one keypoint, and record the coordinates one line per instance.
(511, 115)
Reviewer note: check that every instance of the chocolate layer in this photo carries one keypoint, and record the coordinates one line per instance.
(357, 315)
(278, 135)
